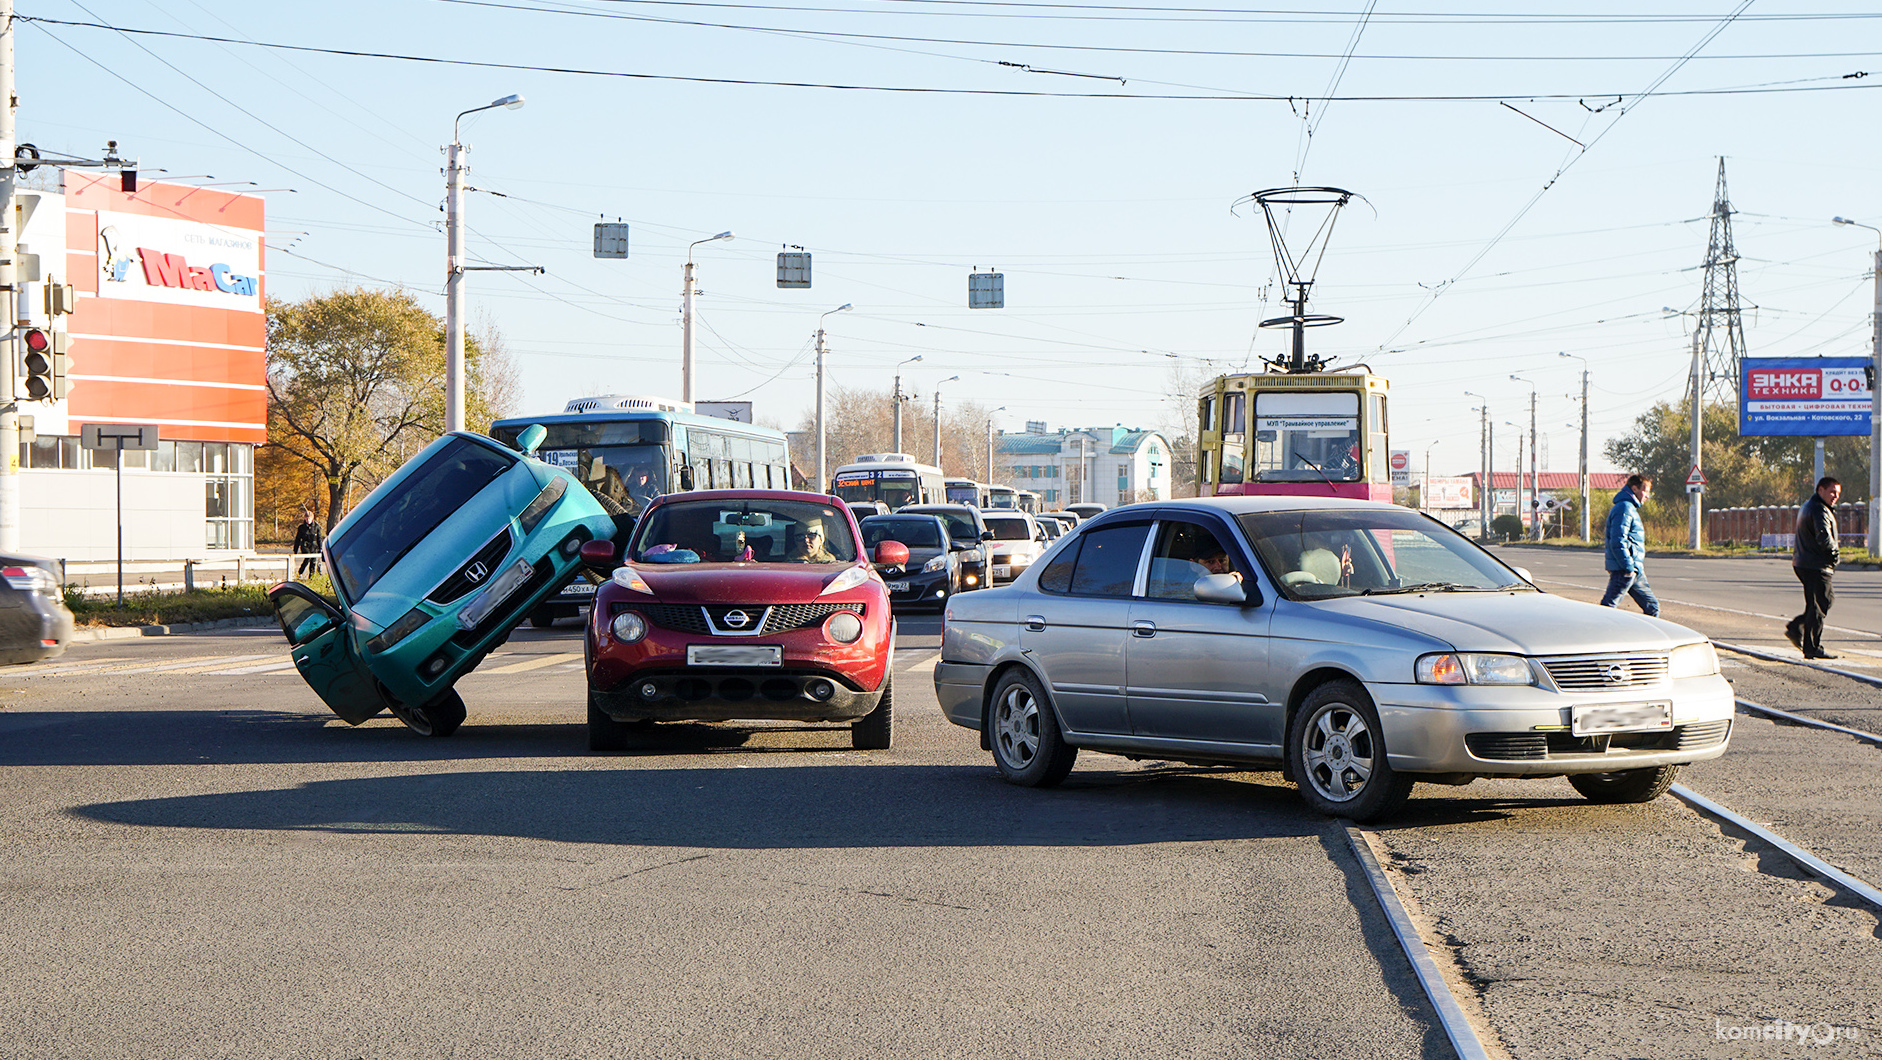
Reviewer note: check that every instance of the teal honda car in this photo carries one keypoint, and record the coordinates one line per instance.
(432, 571)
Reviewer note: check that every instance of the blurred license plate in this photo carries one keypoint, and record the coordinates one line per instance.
(494, 595)
(734, 655)
(580, 588)
(898, 587)
(1621, 717)
(1002, 570)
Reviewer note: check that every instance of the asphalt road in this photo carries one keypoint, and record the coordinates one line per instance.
(198, 860)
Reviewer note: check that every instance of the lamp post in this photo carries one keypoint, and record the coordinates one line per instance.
(1535, 474)
(937, 418)
(454, 170)
(1425, 501)
(1002, 408)
(1587, 527)
(898, 401)
(686, 328)
(1486, 498)
(1873, 540)
(823, 463)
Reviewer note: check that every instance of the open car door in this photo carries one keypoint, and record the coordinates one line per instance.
(324, 654)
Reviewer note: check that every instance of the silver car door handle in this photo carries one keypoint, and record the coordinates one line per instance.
(1035, 623)
(1143, 628)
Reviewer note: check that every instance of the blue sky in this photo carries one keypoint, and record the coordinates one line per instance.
(1113, 219)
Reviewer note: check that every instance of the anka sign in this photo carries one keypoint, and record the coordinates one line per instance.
(1812, 397)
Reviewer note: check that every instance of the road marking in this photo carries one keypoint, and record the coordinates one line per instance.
(533, 663)
(265, 668)
(136, 667)
(925, 665)
(218, 665)
(46, 671)
(1711, 607)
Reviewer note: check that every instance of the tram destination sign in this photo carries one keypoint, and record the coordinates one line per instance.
(1811, 397)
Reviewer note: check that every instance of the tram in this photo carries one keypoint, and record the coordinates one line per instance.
(1306, 434)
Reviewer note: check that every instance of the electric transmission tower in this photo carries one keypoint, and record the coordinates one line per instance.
(1720, 338)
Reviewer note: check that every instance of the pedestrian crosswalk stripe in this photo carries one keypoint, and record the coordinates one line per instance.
(533, 663)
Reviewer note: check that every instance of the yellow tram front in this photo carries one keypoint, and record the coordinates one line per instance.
(1310, 434)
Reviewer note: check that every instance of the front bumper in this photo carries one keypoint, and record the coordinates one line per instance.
(732, 693)
(929, 589)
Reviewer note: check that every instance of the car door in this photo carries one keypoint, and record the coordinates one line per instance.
(1194, 670)
(323, 652)
(1073, 627)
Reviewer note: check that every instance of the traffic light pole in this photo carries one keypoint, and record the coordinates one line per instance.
(9, 253)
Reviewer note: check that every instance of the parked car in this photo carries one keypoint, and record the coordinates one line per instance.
(34, 621)
(432, 571)
(966, 528)
(1362, 646)
(931, 573)
(1017, 541)
(1087, 510)
(741, 604)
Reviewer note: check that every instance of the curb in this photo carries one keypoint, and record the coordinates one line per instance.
(90, 634)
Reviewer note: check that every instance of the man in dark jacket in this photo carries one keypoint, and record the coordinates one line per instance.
(1627, 547)
(1814, 560)
(307, 542)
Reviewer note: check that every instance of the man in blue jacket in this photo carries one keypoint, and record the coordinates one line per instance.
(1627, 547)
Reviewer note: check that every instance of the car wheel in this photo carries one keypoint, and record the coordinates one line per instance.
(604, 733)
(1628, 785)
(440, 717)
(542, 618)
(874, 730)
(1027, 748)
(1336, 756)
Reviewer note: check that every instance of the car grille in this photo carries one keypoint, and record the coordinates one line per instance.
(1601, 673)
(1542, 746)
(688, 618)
(488, 561)
(1704, 734)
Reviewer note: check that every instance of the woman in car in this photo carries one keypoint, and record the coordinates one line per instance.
(809, 546)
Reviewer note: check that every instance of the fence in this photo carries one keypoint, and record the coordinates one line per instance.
(97, 576)
(1774, 526)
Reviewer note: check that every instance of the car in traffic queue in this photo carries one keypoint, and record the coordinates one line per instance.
(864, 509)
(1360, 646)
(741, 604)
(1017, 542)
(1087, 510)
(34, 621)
(931, 571)
(967, 530)
(431, 572)
(1070, 519)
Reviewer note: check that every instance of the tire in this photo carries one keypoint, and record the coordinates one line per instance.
(438, 718)
(1024, 733)
(1335, 755)
(1628, 785)
(604, 733)
(542, 618)
(874, 730)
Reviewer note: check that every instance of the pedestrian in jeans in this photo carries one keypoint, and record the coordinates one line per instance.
(1627, 547)
(1814, 560)
(307, 542)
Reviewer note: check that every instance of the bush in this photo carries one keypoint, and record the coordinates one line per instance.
(1507, 527)
(247, 600)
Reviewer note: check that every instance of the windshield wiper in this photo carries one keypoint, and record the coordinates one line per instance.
(1420, 587)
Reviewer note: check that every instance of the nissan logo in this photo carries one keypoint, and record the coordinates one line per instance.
(737, 619)
(1616, 673)
(476, 572)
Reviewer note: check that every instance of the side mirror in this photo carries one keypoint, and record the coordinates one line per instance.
(1524, 573)
(986, 535)
(531, 438)
(892, 553)
(1221, 589)
(686, 476)
(599, 555)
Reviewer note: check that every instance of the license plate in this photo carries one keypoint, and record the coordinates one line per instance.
(1621, 717)
(898, 587)
(495, 594)
(580, 589)
(734, 655)
(1002, 570)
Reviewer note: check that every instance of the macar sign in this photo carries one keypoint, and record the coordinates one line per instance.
(171, 270)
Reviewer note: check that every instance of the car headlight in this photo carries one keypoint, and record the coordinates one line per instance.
(629, 578)
(628, 627)
(1693, 660)
(408, 624)
(849, 579)
(543, 502)
(843, 627)
(938, 563)
(972, 555)
(1465, 668)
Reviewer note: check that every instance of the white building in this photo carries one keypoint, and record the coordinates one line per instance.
(1108, 465)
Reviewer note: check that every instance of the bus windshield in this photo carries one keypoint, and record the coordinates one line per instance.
(623, 463)
(963, 493)
(892, 487)
(1305, 438)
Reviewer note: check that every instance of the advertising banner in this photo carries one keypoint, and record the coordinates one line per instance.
(1401, 467)
(1812, 397)
(1442, 492)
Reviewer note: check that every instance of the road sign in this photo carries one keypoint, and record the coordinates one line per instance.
(610, 240)
(118, 436)
(1697, 478)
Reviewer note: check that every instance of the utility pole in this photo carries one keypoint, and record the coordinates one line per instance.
(937, 418)
(897, 447)
(1002, 408)
(454, 267)
(1587, 526)
(1873, 539)
(9, 253)
(1695, 500)
(823, 462)
(686, 326)
(1535, 476)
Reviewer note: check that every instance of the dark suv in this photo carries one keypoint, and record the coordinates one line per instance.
(967, 529)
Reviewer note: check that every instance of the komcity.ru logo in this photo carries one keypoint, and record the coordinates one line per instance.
(170, 270)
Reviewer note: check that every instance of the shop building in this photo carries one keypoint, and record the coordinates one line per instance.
(1106, 465)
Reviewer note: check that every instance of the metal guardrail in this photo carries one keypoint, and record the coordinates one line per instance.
(190, 574)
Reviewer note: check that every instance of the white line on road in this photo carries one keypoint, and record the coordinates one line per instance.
(1711, 607)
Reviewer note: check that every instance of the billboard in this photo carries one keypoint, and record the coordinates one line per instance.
(1443, 492)
(1400, 459)
(1812, 397)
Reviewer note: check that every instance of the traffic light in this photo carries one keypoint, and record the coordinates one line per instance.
(43, 358)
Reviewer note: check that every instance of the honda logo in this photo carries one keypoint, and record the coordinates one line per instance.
(476, 572)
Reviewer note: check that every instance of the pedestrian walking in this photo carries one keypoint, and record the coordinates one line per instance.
(1814, 559)
(1627, 547)
(307, 542)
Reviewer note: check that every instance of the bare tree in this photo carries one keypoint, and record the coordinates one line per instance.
(859, 421)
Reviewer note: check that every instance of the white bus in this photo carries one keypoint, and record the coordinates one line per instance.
(1002, 497)
(895, 479)
(967, 491)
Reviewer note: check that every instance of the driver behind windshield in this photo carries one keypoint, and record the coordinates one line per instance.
(810, 545)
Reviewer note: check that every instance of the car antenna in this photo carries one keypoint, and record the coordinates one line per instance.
(1316, 467)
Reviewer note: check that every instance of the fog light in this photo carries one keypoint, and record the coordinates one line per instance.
(843, 627)
(434, 666)
(972, 579)
(571, 547)
(649, 690)
(820, 690)
(628, 627)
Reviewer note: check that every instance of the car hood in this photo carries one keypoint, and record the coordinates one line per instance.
(1526, 623)
(738, 583)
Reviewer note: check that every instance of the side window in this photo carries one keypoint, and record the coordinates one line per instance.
(1185, 552)
(1107, 560)
(1057, 577)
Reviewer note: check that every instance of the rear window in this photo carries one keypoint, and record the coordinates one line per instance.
(959, 525)
(414, 508)
(1008, 529)
(915, 533)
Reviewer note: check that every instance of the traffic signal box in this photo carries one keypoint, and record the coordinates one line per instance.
(43, 361)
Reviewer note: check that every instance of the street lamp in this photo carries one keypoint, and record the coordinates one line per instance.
(454, 170)
(1486, 499)
(1586, 527)
(1535, 475)
(823, 464)
(937, 417)
(897, 396)
(1873, 540)
(1425, 501)
(1002, 408)
(686, 320)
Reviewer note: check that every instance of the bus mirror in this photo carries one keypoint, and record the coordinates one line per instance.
(532, 436)
(686, 477)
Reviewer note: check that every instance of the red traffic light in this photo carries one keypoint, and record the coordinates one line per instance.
(36, 340)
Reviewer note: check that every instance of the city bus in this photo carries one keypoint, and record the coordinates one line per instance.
(895, 479)
(629, 449)
(1313, 434)
(1002, 497)
(1029, 502)
(967, 491)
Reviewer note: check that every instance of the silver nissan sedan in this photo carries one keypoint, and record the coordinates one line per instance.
(1361, 646)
